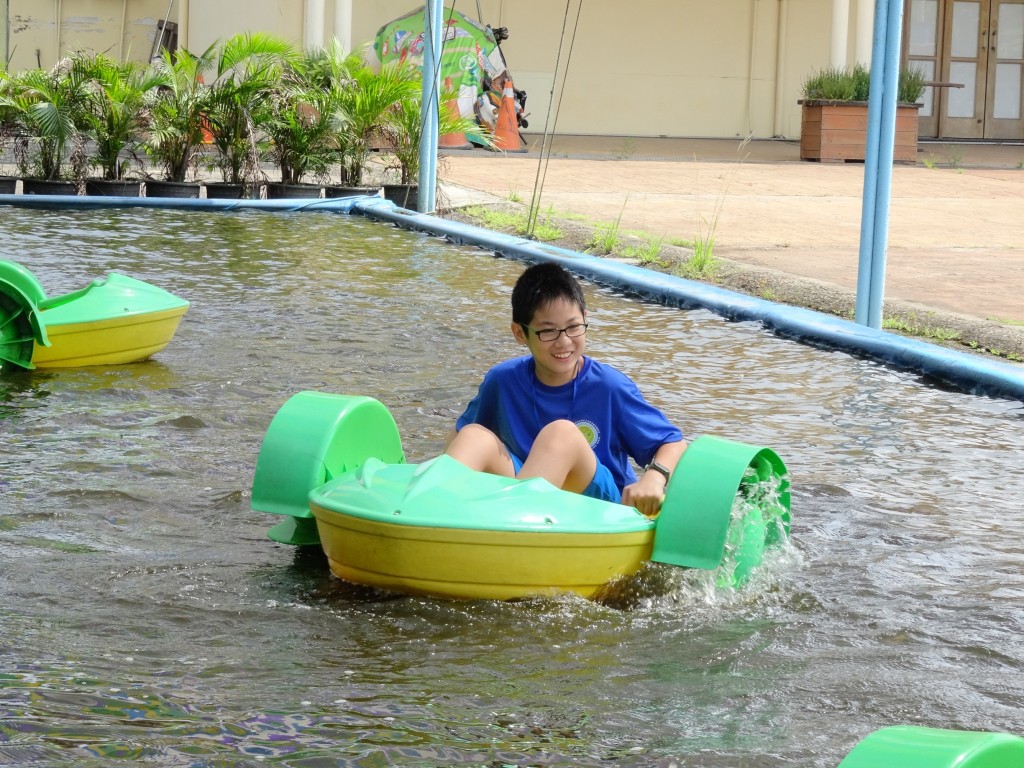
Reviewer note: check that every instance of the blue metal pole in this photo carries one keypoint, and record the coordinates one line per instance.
(878, 158)
(429, 111)
(887, 143)
(867, 211)
(867, 216)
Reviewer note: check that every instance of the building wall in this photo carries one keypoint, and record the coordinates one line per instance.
(4, 30)
(661, 68)
(729, 68)
(210, 20)
(118, 28)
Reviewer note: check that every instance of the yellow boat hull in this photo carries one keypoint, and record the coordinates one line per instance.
(465, 563)
(111, 341)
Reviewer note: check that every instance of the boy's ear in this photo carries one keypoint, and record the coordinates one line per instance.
(518, 333)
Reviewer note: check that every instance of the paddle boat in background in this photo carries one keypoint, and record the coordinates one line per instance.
(334, 466)
(113, 320)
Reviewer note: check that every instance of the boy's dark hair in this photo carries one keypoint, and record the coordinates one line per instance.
(540, 285)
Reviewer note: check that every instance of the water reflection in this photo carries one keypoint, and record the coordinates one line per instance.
(146, 616)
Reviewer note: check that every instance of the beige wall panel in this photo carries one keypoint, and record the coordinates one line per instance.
(86, 25)
(33, 34)
(663, 67)
(806, 39)
(5, 49)
(212, 20)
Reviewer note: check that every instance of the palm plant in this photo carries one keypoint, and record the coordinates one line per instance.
(115, 113)
(247, 67)
(176, 109)
(303, 128)
(368, 102)
(47, 105)
(305, 115)
(405, 129)
(8, 116)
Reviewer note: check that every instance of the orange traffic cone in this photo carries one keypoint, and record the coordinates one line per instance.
(452, 140)
(205, 128)
(204, 124)
(506, 128)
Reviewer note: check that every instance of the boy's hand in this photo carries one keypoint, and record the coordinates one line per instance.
(646, 494)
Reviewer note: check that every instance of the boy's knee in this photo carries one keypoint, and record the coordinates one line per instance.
(562, 431)
(474, 430)
(476, 434)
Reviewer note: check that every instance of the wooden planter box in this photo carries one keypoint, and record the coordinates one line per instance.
(837, 131)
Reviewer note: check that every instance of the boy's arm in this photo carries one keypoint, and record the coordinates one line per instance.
(647, 493)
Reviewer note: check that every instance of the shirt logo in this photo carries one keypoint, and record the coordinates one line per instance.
(590, 432)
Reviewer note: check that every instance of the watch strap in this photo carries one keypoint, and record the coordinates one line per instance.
(659, 468)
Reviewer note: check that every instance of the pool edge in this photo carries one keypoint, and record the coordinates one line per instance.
(969, 373)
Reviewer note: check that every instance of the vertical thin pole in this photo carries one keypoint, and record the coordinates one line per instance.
(878, 162)
(429, 114)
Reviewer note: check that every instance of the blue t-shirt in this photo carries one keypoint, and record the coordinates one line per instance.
(602, 401)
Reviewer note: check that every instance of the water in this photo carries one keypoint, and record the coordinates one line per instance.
(146, 618)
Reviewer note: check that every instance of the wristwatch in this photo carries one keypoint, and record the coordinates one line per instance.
(659, 468)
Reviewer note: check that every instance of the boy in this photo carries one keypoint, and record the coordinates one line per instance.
(562, 416)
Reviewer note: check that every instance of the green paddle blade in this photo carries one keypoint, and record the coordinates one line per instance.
(696, 521)
(313, 437)
(909, 746)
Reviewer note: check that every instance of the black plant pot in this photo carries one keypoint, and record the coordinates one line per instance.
(403, 195)
(350, 191)
(178, 189)
(49, 187)
(225, 190)
(8, 185)
(113, 188)
(279, 191)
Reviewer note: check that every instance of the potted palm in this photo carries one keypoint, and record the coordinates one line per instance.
(405, 132)
(834, 117)
(306, 119)
(115, 117)
(176, 108)
(247, 67)
(302, 128)
(47, 109)
(368, 100)
(309, 128)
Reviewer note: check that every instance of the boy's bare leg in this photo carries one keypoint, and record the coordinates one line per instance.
(562, 456)
(480, 449)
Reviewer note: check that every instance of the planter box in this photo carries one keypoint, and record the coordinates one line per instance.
(48, 187)
(279, 191)
(338, 191)
(837, 131)
(113, 188)
(403, 195)
(178, 189)
(224, 190)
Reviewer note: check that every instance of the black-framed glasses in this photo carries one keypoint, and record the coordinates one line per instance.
(550, 334)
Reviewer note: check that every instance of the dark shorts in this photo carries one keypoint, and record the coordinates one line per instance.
(601, 487)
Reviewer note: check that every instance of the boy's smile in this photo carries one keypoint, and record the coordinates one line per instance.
(556, 361)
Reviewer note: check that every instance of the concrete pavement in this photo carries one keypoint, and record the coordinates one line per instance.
(956, 227)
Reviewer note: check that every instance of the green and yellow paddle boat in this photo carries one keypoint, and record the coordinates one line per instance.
(334, 466)
(113, 320)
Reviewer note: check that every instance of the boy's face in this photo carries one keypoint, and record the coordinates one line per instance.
(557, 361)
